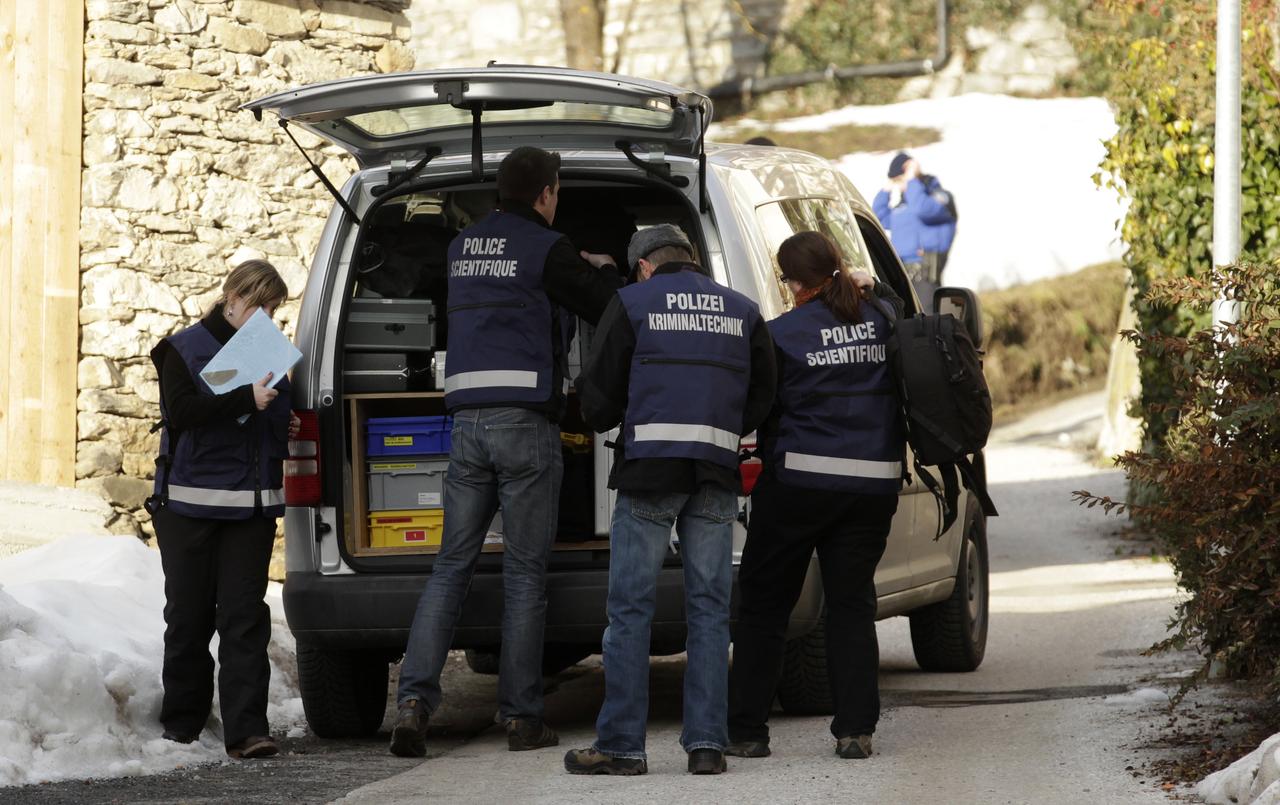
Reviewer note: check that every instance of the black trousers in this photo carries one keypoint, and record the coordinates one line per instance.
(215, 577)
(849, 532)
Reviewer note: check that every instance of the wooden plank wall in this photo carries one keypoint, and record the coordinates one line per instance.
(41, 80)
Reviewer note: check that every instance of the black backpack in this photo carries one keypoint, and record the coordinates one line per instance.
(946, 404)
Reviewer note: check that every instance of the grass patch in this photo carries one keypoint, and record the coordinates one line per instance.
(837, 141)
(1051, 339)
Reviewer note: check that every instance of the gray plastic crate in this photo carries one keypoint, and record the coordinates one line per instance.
(406, 482)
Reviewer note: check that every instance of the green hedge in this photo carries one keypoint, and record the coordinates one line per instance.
(1051, 337)
(1207, 479)
(1217, 475)
(1161, 160)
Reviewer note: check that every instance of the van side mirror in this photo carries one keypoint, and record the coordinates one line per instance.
(963, 304)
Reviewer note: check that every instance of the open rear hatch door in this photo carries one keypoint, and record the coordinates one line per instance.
(403, 116)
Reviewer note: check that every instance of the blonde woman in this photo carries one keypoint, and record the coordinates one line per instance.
(218, 492)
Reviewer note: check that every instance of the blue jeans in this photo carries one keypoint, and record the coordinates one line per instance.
(510, 455)
(640, 536)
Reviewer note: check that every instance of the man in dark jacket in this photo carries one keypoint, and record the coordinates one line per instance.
(686, 367)
(513, 282)
(921, 218)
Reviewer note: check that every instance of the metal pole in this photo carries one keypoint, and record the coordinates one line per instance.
(1226, 153)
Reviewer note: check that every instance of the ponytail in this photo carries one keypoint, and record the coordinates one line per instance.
(843, 297)
(813, 260)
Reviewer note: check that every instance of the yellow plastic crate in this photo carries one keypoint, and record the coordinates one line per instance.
(409, 527)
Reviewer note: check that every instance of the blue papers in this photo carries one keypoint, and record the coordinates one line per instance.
(257, 347)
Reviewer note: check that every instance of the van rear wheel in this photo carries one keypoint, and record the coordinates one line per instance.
(951, 635)
(804, 689)
(344, 693)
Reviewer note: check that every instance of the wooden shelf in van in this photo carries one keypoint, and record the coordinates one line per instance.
(397, 395)
(592, 545)
(358, 544)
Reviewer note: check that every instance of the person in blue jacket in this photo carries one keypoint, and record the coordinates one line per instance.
(218, 491)
(833, 451)
(921, 218)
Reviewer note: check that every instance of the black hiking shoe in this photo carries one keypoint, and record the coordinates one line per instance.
(525, 734)
(748, 749)
(409, 734)
(178, 738)
(589, 761)
(254, 747)
(707, 761)
(854, 747)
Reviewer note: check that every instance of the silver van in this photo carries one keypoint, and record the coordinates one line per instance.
(373, 335)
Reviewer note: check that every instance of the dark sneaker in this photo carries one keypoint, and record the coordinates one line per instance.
(707, 761)
(854, 746)
(748, 749)
(525, 734)
(409, 734)
(589, 761)
(178, 738)
(254, 747)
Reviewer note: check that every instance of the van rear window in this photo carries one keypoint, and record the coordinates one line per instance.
(780, 220)
(409, 119)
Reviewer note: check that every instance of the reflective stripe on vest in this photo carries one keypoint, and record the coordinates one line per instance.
(224, 498)
(491, 379)
(843, 467)
(677, 432)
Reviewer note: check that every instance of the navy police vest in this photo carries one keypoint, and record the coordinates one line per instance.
(223, 470)
(690, 370)
(500, 319)
(838, 426)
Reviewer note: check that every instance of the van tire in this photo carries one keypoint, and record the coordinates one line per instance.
(482, 661)
(804, 689)
(555, 658)
(344, 693)
(951, 635)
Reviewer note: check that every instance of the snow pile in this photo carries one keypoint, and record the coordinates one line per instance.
(1253, 779)
(1022, 173)
(81, 645)
(1142, 697)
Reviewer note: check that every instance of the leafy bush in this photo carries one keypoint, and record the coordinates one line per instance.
(1218, 475)
(1051, 337)
(1161, 159)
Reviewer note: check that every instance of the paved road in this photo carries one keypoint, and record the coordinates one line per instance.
(1049, 718)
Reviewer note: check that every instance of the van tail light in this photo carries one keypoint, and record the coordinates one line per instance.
(302, 467)
(749, 467)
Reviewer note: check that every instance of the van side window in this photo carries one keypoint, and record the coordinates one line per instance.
(780, 220)
(884, 260)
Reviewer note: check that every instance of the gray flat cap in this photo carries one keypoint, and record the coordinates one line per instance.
(647, 241)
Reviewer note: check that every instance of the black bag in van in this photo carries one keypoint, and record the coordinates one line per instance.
(946, 404)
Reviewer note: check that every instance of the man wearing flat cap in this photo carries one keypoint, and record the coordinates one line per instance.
(685, 367)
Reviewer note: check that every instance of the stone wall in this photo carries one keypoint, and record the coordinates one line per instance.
(1026, 58)
(689, 42)
(179, 186)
